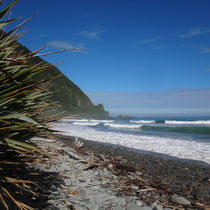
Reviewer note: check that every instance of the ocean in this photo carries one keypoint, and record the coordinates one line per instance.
(187, 139)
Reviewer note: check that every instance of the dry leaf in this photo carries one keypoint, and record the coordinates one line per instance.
(72, 192)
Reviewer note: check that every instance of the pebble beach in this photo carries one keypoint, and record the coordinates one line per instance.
(96, 176)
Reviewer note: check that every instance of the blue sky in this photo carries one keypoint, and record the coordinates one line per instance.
(133, 51)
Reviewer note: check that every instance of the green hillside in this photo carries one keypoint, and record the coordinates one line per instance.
(72, 100)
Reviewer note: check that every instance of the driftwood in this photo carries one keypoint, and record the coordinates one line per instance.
(71, 155)
(145, 190)
(91, 163)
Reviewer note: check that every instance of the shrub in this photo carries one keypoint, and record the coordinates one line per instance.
(22, 102)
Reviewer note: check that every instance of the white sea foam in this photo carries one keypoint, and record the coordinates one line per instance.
(174, 147)
(86, 123)
(87, 120)
(143, 121)
(114, 125)
(177, 122)
(75, 120)
(102, 121)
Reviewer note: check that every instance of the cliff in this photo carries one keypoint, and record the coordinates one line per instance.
(72, 100)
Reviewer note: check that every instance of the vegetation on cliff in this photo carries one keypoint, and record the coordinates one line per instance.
(72, 100)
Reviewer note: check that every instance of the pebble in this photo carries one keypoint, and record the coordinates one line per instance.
(134, 187)
(132, 207)
(145, 208)
(75, 199)
(180, 200)
(118, 207)
(96, 173)
(68, 182)
(138, 173)
(139, 203)
(93, 206)
(79, 207)
(110, 166)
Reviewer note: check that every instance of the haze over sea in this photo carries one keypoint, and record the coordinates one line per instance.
(184, 138)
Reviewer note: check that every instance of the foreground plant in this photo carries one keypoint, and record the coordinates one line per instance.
(22, 102)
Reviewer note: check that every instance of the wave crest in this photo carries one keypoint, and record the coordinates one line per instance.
(177, 122)
(113, 125)
(86, 123)
(143, 121)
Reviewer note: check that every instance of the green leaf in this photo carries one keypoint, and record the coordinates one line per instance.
(4, 23)
(22, 145)
(20, 116)
(6, 10)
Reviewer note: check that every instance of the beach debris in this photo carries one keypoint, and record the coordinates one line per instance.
(72, 192)
(166, 205)
(113, 184)
(145, 190)
(103, 158)
(90, 163)
(78, 144)
(71, 155)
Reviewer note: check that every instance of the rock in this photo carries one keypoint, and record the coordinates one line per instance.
(121, 201)
(139, 203)
(118, 207)
(180, 200)
(95, 187)
(133, 206)
(83, 191)
(79, 207)
(96, 173)
(100, 199)
(53, 202)
(81, 179)
(145, 208)
(159, 207)
(104, 182)
(67, 203)
(134, 187)
(60, 206)
(138, 173)
(110, 166)
(74, 155)
(154, 204)
(110, 199)
(93, 205)
(75, 199)
(55, 193)
(105, 172)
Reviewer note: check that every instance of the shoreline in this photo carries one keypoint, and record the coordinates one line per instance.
(138, 152)
(177, 176)
(173, 146)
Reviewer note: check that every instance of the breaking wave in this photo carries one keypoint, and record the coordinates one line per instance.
(179, 122)
(143, 121)
(86, 123)
(177, 147)
(186, 130)
(114, 125)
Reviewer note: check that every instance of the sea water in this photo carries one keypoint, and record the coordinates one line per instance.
(183, 138)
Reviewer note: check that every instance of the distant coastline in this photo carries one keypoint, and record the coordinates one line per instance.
(122, 116)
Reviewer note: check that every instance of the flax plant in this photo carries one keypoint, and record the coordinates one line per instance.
(22, 102)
